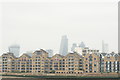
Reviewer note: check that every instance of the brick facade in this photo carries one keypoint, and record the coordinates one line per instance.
(72, 63)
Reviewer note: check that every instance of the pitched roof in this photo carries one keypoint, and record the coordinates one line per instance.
(25, 55)
(112, 54)
(74, 54)
(41, 51)
(104, 54)
(58, 55)
(116, 55)
(9, 54)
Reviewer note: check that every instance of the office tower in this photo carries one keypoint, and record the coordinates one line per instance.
(64, 45)
(104, 47)
(15, 49)
(74, 45)
(82, 45)
(50, 52)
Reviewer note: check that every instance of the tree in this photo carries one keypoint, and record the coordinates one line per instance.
(53, 71)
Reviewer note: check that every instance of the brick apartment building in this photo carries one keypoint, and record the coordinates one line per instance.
(72, 63)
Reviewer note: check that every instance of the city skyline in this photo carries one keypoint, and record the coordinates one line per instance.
(52, 52)
(34, 26)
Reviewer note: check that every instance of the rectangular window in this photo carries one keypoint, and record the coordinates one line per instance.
(94, 64)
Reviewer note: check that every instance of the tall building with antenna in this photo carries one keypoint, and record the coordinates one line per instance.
(64, 45)
(104, 47)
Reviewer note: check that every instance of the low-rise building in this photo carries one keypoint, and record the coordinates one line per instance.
(72, 63)
(91, 63)
(109, 62)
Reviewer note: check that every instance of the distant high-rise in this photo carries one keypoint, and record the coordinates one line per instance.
(82, 45)
(15, 49)
(74, 45)
(104, 47)
(64, 45)
(50, 52)
(30, 53)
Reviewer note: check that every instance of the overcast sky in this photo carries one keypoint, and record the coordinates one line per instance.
(41, 24)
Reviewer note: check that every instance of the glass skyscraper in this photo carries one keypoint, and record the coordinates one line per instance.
(64, 45)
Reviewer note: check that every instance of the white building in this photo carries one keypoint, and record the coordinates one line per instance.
(86, 50)
(15, 49)
(74, 45)
(50, 52)
(78, 50)
(82, 45)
